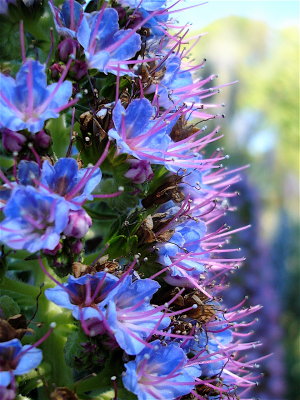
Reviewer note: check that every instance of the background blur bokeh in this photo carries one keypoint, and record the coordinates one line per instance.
(257, 43)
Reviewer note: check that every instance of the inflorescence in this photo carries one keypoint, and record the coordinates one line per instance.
(111, 198)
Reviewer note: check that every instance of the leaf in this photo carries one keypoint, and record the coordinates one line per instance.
(8, 307)
(60, 135)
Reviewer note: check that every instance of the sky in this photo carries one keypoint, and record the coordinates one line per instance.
(277, 13)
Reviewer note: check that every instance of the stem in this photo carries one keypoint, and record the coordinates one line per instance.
(53, 347)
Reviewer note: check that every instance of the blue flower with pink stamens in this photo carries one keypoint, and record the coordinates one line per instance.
(183, 253)
(33, 220)
(84, 296)
(130, 315)
(16, 359)
(160, 372)
(149, 5)
(107, 48)
(27, 102)
(137, 132)
(65, 179)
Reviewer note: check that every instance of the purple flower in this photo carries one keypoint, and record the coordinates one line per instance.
(130, 316)
(140, 171)
(67, 20)
(106, 46)
(33, 220)
(27, 102)
(160, 373)
(16, 359)
(83, 296)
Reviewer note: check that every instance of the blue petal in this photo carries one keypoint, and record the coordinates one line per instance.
(30, 360)
(5, 378)
(28, 172)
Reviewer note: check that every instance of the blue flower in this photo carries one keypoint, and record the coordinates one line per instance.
(175, 85)
(28, 173)
(84, 296)
(155, 23)
(105, 45)
(16, 359)
(66, 180)
(130, 316)
(33, 220)
(184, 251)
(160, 373)
(149, 5)
(27, 102)
(138, 134)
(67, 20)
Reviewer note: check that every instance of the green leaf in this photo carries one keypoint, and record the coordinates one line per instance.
(60, 135)
(8, 306)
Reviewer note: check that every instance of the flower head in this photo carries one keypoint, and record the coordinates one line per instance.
(27, 102)
(16, 359)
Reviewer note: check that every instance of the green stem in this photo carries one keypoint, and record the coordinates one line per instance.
(53, 347)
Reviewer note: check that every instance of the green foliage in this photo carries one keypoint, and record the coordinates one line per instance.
(8, 307)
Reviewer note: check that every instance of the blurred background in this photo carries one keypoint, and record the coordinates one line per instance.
(257, 43)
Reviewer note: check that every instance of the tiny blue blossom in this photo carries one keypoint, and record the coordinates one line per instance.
(105, 45)
(149, 5)
(160, 373)
(65, 179)
(33, 220)
(27, 102)
(130, 316)
(183, 250)
(138, 134)
(84, 296)
(16, 359)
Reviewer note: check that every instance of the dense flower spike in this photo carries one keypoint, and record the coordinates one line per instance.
(131, 260)
(27, 102)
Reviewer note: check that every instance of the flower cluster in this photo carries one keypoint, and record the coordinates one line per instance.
(128, 258)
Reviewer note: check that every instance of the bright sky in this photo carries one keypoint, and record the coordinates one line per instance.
(277, 13)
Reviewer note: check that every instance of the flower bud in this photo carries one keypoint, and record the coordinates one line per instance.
(42, 140)
(78, 69)
(66, 48)
(12, 141)
(139, 171)
(56, 69)
(78, 225)
(77, 247)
